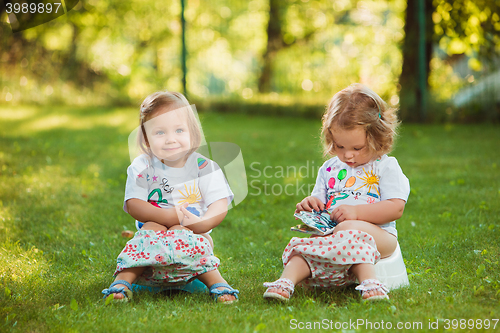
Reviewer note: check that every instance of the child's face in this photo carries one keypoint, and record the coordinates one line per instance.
(351, 146)
(168, 136)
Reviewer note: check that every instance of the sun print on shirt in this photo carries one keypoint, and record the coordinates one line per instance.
(371, 181)
(191, 196)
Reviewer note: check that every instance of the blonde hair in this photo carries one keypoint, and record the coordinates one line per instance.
(171, 101)
(358, 105)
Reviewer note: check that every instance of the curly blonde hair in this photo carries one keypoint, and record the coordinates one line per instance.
(170, 101)
(358, 105)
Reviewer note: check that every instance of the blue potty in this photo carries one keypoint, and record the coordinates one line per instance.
(195, 286)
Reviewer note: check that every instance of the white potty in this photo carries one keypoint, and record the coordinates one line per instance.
(392, 270)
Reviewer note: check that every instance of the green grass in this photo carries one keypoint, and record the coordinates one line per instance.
(62, 176)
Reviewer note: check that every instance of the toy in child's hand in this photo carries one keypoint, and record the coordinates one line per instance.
(318, 223)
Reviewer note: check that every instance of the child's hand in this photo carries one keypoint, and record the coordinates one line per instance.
(343, 213)
(309, 204)
(180, 214)
(189, 218)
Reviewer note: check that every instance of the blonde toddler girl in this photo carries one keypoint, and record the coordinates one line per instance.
(362, 188)
(177, 196)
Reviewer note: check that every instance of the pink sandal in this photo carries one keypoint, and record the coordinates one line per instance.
(283, 284)
(376, 285)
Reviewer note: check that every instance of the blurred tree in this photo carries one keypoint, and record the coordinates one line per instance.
(114, 49)
(3, 5)
(277, 40)
(274, 44)
(110, 51)
(411, 94)
(467, 27)
(43, 55)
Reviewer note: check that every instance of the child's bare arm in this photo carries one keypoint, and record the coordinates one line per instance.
(377, 213)
(145, 212)
(216, 212)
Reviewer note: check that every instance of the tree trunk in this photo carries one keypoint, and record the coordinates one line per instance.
(274, 44)
(410, 94)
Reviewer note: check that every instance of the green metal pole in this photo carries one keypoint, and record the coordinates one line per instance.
(422, 77)
(184, 50)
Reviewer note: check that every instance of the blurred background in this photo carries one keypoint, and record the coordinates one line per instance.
(438, 60)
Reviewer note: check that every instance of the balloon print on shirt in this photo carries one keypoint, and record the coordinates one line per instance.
(191, 196)
(337, 196)
(342, 174)
(202, 163)
(371, 181)
(350, 181)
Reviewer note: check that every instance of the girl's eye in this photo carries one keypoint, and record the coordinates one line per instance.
(339, 147)
(180, 130)
(160, 133)
(358, 148)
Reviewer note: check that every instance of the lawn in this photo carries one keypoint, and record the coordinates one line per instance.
(62, 176)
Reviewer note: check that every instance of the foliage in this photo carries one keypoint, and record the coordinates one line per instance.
(62, 172)
(120, 52)
(352, 41)
(468, 27)
(115, 52)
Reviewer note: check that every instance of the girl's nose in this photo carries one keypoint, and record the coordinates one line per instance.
(170, 138)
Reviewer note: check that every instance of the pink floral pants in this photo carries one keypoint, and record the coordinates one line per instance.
(330, 257)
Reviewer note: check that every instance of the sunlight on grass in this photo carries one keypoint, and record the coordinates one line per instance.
(75, 122)
(29, 121)
(19, 264)
(17, 113)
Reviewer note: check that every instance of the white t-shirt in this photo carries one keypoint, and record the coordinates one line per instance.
(381, 179)
(200, 182)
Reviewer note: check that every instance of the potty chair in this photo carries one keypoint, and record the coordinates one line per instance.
(392, 270)
(195, 286)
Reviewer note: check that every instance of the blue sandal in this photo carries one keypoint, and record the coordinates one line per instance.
(121, 290)
(216, 293)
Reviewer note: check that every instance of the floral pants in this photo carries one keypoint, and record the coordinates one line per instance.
(172, 257)
(330, 257)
